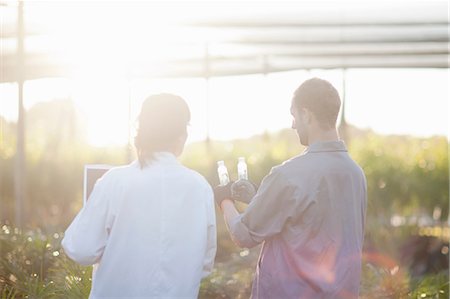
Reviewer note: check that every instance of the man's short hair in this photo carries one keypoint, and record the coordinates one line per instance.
(163, 119)
(321, 98)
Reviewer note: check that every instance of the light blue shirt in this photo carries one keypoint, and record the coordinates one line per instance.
(310, 214)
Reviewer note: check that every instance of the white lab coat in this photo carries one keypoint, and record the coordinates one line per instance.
(151, 232)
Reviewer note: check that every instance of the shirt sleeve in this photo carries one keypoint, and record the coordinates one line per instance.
(273, 205)
(364, 205)
(86, 237)
(211, 233)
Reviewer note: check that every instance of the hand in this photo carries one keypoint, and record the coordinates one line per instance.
(243, 191)
(222, 192)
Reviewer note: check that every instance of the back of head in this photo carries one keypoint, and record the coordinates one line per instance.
(321, 98)
(162, 122)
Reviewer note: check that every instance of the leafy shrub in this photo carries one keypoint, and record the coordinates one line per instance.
(33, 265)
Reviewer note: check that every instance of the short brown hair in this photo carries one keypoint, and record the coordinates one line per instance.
(163, 118)
(321, 98)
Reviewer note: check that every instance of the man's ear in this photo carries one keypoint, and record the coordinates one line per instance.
(306, 115)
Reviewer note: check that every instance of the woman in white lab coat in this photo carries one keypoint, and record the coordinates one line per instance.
(148, 227)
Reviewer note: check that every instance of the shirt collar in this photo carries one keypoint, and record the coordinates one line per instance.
(327, 146)
(161, 158)
(165, 157)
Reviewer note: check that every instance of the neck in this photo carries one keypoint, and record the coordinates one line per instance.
(323, 136)
(176, 150)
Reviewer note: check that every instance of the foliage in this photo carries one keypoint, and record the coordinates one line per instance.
(432, 286)
(33, 265)
(406, 176)
(56, 151)
(231, 278)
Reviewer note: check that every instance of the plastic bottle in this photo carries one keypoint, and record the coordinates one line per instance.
(242, 169)
(223, 173)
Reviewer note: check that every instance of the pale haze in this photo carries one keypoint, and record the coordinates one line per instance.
(388, 101)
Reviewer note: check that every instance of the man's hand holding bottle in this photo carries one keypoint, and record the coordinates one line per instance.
(242, 190)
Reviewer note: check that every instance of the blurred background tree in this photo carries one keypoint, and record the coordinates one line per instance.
(407, 177)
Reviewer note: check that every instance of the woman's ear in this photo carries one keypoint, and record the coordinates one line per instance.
(182, 139)
(180, 143)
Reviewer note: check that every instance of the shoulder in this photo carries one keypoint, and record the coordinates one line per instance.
(122, 170)
(295, 164)
(119, 173)
(197, 185)
(195, 178)
(359, 171)
(292, 173)
(279, 174)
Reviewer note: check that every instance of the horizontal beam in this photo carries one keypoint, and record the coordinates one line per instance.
(311, 24)
(337, 40)
(226, 66)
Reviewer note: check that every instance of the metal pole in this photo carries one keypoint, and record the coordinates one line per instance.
(207, 74)
(265, 70)
(129, 143)
(20, 174)
(343, 128)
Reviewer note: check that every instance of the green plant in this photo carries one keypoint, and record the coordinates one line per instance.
(33, 265)
(431, 286)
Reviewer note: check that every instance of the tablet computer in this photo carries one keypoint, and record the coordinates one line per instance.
(92, 172)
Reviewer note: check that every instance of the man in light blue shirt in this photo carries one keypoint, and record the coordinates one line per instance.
(309, 212)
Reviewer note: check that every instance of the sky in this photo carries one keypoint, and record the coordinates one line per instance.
(388, 101)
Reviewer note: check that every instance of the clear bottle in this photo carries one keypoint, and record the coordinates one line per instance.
(222, 171)
(242, 169)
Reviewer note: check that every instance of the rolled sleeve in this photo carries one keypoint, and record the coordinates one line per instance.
(86, 237)
(273, 205)
(241, 234)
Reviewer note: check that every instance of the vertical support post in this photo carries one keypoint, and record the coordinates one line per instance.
(129, 150)
(20, 174)
(343, 128)
(207, 99)
(265, 70)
